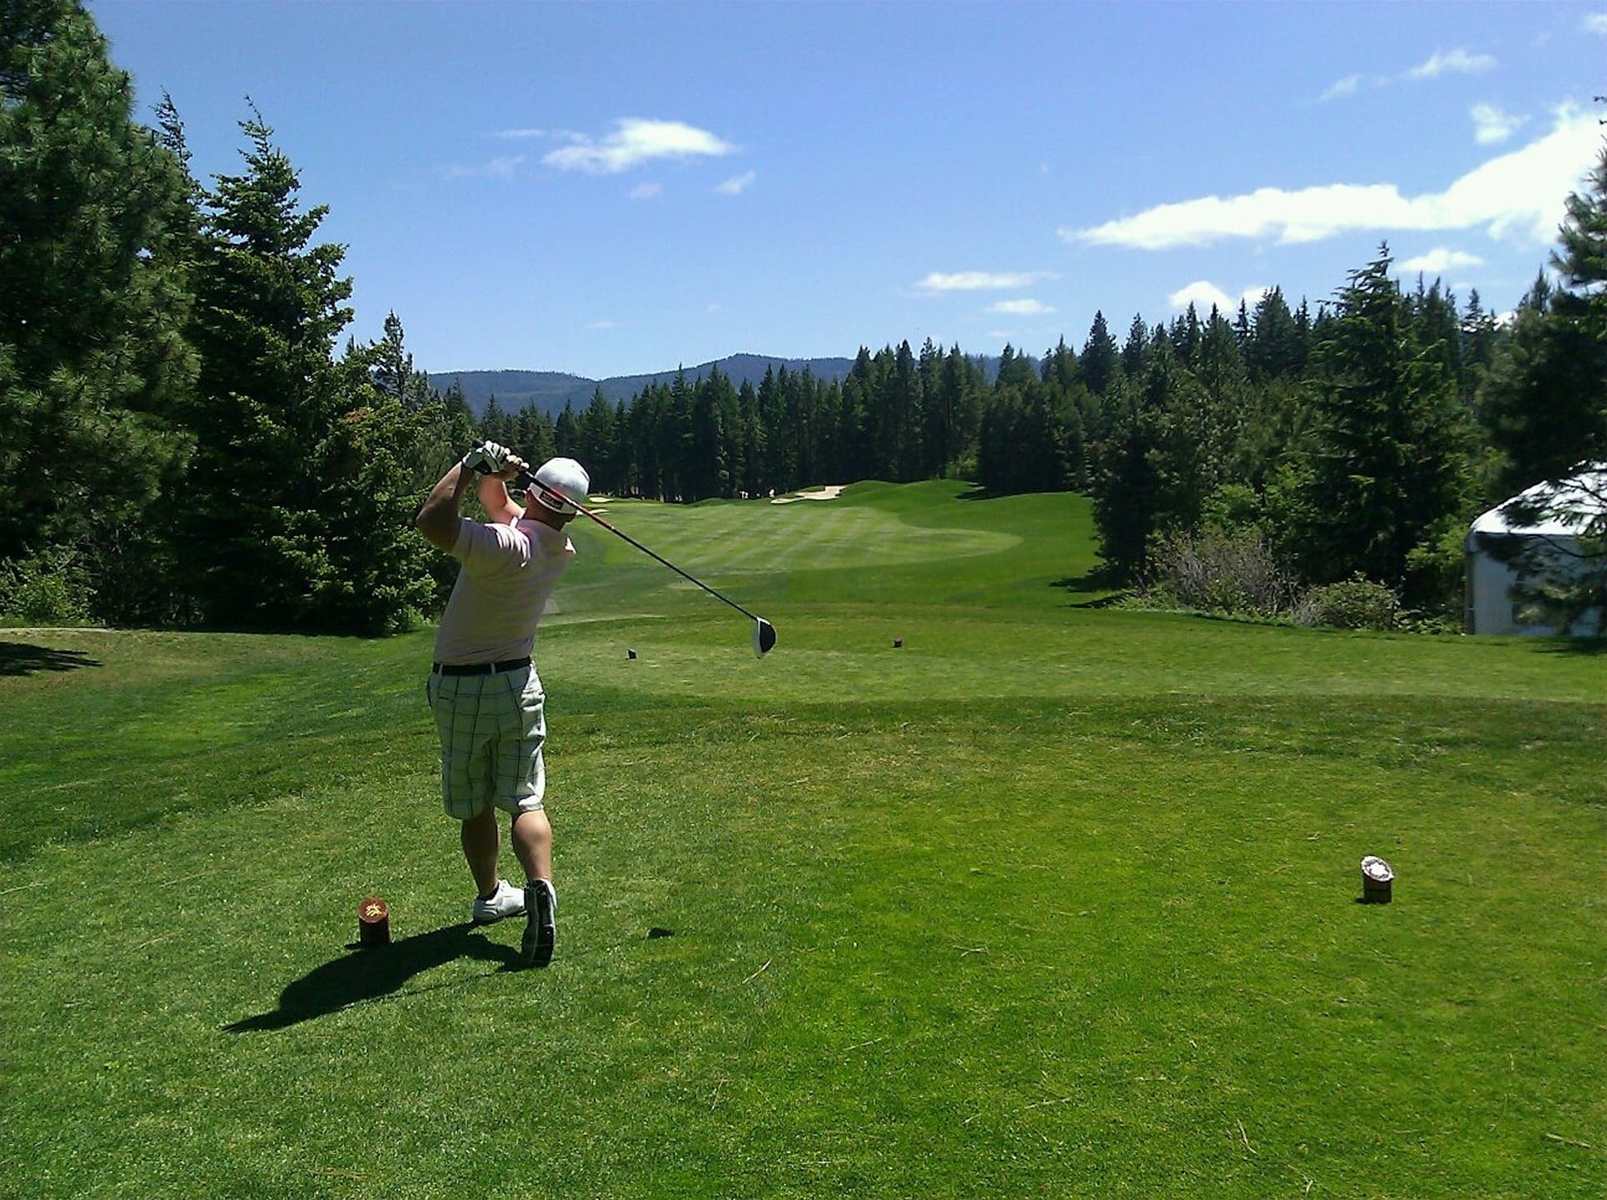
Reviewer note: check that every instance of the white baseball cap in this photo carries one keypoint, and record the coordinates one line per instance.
(557, 482)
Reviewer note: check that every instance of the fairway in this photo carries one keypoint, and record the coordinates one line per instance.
(1047, 899)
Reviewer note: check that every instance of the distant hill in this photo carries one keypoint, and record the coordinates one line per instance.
(548, 390)
(551, 390)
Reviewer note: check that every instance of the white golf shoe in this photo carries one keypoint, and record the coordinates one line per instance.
(507, 901)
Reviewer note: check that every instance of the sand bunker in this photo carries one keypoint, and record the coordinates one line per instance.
(830, 492)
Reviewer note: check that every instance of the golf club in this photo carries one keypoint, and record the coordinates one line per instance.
(764, 633)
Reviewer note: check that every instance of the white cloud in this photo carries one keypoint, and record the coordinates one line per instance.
(975, 281)
(521, 134)
(1021, 308)
(1595, 23)
(1519, 192)
(635, 142)
(502, 167)
(1439, 260)
(1345, 87)
(737, 184)
(1203, 294)
(646, 191)
(1492, 124)
(1458, 62)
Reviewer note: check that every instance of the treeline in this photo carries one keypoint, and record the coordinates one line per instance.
(895, 417)
(1356, 441)
(185, 439)
(182, 439)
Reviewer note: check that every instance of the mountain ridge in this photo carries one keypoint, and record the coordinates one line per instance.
(551, 391)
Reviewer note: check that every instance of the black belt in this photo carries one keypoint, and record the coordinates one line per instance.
(497, 668)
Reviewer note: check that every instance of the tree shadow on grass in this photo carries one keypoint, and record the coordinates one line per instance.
(22, 658)
(1580, 647)
(1092, 589)
(977, 492)
(375, 973)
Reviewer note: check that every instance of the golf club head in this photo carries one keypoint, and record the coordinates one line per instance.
(764, 637)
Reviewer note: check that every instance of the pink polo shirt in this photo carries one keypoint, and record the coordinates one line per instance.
(508, 574)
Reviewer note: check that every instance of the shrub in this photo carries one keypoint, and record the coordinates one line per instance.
(1436, 572)
(1357, 603)
(49, 588)
(1214, 571)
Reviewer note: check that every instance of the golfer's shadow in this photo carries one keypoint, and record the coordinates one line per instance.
(373, 974)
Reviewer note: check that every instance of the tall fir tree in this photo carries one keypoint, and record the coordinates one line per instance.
(1100, 359)
(1275, 349)
(298, 503)
(1135, 347)
(94, 368)
(1543, 402)
(1388, 474)
(596, 444)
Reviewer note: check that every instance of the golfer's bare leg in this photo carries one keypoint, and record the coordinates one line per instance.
(532, 844)
(481, 846)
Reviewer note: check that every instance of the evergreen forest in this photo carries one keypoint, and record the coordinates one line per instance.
(190, 438)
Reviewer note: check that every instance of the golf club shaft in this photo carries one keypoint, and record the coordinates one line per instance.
(586, 512)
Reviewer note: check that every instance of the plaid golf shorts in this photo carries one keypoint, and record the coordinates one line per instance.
(492, 730)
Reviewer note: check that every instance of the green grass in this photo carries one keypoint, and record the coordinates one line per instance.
(1051, 900)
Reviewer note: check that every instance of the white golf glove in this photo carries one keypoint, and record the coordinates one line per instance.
(487, 458)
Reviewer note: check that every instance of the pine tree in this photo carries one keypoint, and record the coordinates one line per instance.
(1478, 333)
(675, 438)
(364, 569)
(533, 435)
(1437, 327)
(495, 423)
(94, 369)
(595, 444)
(856, 420)
(754, 439)
(931, 437)
(298, 491)
(1099, 359)
(1545, 402)
(712, 472)
(1544, 398)
(1275, 349)
(1186, 335)
(1124, 484)
(646, 451)
(1581, 254)
(1219, 368)
(394, 373)
(1389, 472)
(955, 416)
(1135, 348)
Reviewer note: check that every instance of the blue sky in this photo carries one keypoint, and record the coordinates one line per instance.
(610, 189)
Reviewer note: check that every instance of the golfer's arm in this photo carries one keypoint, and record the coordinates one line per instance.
(494, 498)
(438, 519)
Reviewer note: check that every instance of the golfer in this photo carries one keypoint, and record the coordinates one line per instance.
(483, 688)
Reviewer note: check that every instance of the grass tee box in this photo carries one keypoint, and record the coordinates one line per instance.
(1050, 900)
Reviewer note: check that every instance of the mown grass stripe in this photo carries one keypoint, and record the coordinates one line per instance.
(1047, 901)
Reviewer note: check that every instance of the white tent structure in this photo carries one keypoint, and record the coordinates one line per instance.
(1567, 508)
